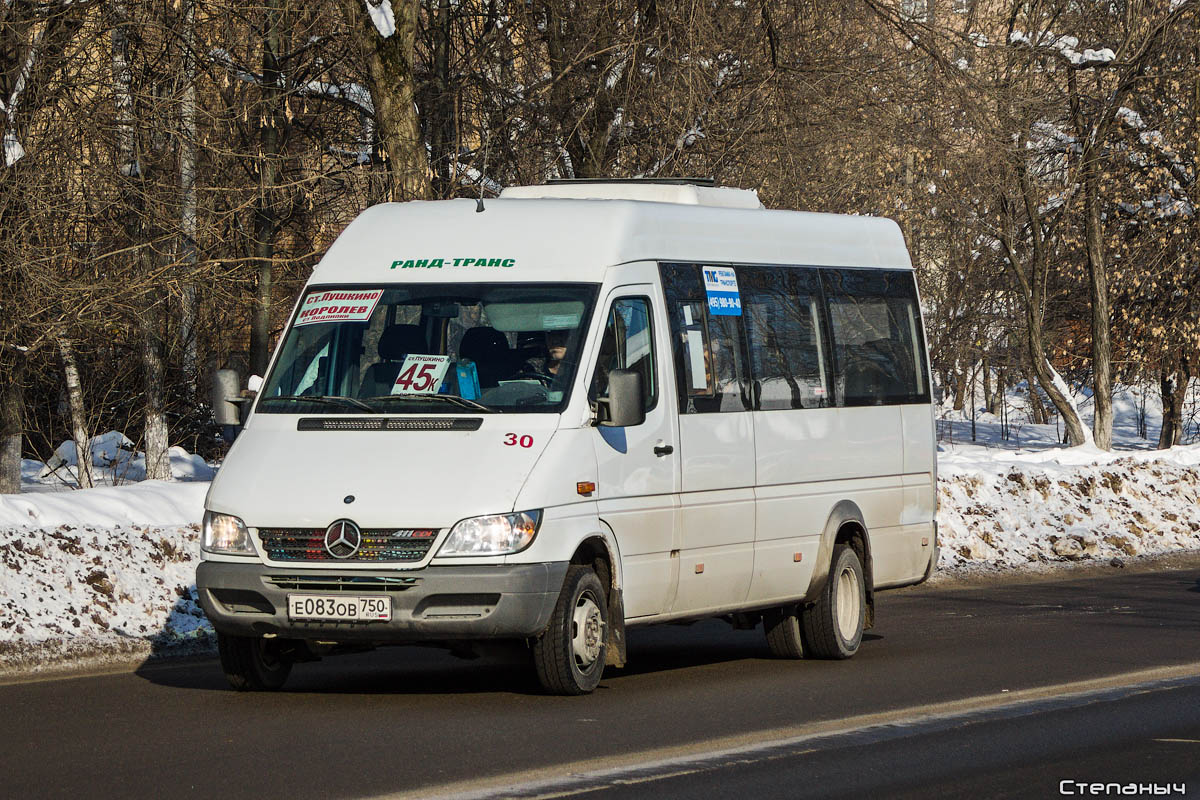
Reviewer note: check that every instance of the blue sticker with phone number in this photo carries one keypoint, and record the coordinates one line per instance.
(720, 284)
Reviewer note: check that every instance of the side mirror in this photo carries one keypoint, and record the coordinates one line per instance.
(228, 402)
(225, 397)
(623, 407)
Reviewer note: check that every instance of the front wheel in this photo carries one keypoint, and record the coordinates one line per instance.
(833, 624)
(570, 655)
(252, 663)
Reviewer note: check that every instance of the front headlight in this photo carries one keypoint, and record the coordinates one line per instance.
(224, 533)
(496, 535)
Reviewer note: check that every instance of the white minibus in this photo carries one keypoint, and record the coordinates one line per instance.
(549, 417)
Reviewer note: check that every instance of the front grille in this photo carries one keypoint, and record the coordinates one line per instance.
(341, 583)
(389, 424)
(378, 546)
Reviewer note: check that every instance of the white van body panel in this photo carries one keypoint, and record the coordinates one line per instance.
(717, 511)
(399, 478)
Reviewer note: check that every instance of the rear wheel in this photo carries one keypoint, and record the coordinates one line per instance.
(784, 636)
(253, 664)
(832, 626)
(570, 655)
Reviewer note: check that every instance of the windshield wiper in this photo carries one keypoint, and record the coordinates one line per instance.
(451, 398)
(342, 402)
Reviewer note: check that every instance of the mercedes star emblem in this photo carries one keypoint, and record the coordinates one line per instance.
(342, 539)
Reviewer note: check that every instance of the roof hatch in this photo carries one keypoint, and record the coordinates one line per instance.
(685, 191)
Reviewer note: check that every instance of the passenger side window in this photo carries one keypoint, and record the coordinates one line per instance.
(783, 321)
(875, 329)
(710, 367)
(628, 343)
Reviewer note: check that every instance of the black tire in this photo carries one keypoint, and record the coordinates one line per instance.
(253, 664)
(569, 656)
(832, 626)
(784, 635)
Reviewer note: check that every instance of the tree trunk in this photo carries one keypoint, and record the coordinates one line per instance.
(442, 140)
(1046, 377)
(1173, 384)
(187, 200)
(960, 389)
(12, 424)
(393, 93)
(1102, 423)
(1037, 411)
(987, 385)
(158, 462)
(996, 403)
(79, 428)
(266, 214)
(133, 188)
(127, 161)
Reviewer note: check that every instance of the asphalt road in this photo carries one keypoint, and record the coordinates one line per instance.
(999, 690)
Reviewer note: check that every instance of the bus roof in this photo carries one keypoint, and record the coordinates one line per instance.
(575, 240)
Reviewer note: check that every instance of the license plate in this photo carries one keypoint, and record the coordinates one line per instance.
(339, 608)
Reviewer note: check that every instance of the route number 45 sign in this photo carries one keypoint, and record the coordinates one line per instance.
(421, 374)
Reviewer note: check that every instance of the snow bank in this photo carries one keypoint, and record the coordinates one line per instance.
(97, 574)
(1005, 510)
(90, 594)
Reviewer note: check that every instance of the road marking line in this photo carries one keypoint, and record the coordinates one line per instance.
(1183, 741)
(590, 775)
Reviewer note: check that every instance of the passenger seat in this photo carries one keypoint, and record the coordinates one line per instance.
(395, 344)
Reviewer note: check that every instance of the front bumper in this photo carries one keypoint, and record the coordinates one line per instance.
(431, 604)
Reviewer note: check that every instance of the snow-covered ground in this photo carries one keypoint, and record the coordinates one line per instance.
(1001, 509)
(108, 573)
(1012, 497)
(101, 574)
(115, 462)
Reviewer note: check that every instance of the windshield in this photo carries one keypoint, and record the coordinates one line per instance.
(431, 349)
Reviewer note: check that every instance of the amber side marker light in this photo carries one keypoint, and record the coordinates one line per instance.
(585, 488)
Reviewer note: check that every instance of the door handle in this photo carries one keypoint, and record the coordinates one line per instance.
(663, 449)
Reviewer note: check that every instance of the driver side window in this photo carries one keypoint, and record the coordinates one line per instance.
(628, 343)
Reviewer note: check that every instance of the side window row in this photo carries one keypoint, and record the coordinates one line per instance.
(794, 337)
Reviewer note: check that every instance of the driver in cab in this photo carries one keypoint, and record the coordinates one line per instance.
(551, 368)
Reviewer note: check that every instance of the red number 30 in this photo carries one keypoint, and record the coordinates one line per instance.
(511, 439)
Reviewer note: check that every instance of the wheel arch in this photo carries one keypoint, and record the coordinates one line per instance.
(845, 525)
(599, 551)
